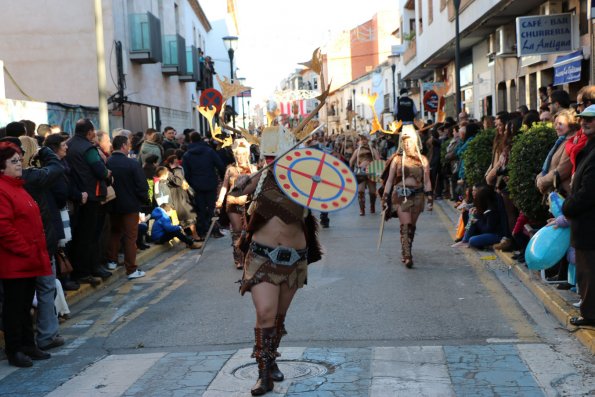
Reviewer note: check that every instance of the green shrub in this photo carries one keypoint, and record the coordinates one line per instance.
(529, 151)
(478, 157)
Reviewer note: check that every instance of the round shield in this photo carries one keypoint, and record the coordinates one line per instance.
(316, 180)
(375, 170)
(211, 97)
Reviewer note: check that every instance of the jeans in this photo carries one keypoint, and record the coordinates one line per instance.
(204, 201)
(482, 240)
(47, 317)
(179, 234)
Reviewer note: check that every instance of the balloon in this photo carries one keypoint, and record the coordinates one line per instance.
(556, 201)
(547, 247)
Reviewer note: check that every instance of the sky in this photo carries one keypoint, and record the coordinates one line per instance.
(276, 35)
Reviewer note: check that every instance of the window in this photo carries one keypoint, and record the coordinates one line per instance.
(430, 11)
(420, 13)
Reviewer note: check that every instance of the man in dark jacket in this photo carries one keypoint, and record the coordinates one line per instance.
(405, 109)
(88, 174)
(132, 191)
(201, 165)
(579, 208)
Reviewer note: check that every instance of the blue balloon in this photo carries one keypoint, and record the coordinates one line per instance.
(547, 247)
(556, 201)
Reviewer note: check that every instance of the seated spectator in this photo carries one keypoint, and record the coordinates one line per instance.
(484, 226)
(163, 230)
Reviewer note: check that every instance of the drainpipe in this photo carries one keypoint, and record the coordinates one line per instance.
(101, 74)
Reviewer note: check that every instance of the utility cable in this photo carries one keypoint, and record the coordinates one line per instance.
(18, 86)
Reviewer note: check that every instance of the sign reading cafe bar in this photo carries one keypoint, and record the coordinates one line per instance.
(546, 34)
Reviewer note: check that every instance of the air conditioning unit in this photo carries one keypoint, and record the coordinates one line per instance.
(493, 47)
(551, 7)
(506, 37)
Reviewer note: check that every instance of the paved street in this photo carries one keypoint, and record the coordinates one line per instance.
(458, 324)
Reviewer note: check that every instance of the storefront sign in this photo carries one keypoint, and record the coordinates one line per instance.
(567, 68)
(546, 34)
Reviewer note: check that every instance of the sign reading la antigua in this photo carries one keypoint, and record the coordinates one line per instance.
(545, 34)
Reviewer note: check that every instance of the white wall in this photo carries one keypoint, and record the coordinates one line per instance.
(2, 89)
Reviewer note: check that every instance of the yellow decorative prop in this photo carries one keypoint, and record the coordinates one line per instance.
(216, 133)
(229, 90)
(376, 126)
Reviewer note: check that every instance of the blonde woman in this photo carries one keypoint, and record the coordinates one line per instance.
(235, 206)
(407, 184)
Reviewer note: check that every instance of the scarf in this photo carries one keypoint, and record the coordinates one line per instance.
(548, 159)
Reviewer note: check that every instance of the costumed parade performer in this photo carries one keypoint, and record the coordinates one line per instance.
(361, 158)
(281, 236)
(235, 206)
(407, 184)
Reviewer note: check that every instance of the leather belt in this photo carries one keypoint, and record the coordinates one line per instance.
(283, 256)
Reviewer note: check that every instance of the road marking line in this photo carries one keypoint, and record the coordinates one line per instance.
(508, 306)
(111, 376)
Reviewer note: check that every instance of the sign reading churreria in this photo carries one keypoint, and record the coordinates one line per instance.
(545, 34)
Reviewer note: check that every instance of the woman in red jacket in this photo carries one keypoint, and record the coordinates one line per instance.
(23, 257)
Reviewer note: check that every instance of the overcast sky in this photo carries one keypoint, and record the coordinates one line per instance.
(276, 35)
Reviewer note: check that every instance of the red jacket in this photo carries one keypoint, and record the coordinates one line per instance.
(23, 252)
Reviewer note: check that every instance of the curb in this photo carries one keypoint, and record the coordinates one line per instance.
(142, 257)
(551, 299)
(561, 309)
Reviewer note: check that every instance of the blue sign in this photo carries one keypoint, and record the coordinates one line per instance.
(545, 34)
(567, 68)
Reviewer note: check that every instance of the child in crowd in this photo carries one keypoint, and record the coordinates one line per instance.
(163, 230)
(161, 188)
(484, 225)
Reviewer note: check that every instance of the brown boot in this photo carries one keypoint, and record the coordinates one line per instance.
(406, 245)
(276, 373)
(238, 255)
(361, 197)
(372, 203)
(263, 352)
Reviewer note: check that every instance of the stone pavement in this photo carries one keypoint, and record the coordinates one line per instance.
(471, 370)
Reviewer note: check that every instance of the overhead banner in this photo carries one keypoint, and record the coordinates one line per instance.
(567, 68)
(546, 34)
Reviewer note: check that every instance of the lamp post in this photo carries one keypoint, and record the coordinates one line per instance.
(231, 43)
(354, 114)
(457, 4)
(393, 68)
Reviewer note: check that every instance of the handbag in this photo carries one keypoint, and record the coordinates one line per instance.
(110, 195)
(62, 262)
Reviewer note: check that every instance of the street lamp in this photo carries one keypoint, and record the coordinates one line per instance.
(231, 43)
(393, 67)
(354, 119)
(457, 5)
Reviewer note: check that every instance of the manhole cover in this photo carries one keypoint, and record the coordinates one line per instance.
(291, 370)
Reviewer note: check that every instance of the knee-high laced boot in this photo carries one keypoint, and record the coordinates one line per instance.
(372, 203)
(276, 373)
(361, 197)
(406, 245)
(263, 352)
(238, 255)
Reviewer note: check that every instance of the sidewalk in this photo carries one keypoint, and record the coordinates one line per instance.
(142, 257)
(557, 302)
(86, 290)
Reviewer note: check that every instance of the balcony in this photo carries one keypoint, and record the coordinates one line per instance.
(174, 55)
(192, 68)
(145, 38)
(410, 52)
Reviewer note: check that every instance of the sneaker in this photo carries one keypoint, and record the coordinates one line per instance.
(136, 274)
(56, 342)
(111, 265)
(460, 244)
(577, 304)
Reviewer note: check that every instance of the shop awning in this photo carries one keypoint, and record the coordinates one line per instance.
(567, 68)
